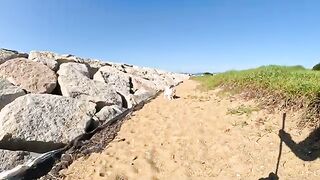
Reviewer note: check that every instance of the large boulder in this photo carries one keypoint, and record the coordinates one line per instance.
(42, 122)
(74, 69)
(92, 64)
(119, 80)
(11, 159)
(32, 76)
(45, 57)
(6, 54)
(141, 83)
(75, 82)
(143, 95)
(8, 92)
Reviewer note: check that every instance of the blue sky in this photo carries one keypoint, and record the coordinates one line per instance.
(188, 36)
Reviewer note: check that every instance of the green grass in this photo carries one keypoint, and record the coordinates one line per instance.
(294, 84)
(290, 81)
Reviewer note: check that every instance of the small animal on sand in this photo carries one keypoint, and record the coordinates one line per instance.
(169, 92)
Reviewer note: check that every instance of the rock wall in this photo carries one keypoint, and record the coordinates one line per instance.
(47, 99)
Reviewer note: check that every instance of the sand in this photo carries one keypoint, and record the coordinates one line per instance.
(194, 137)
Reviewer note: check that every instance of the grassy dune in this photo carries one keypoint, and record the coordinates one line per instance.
(294, 84)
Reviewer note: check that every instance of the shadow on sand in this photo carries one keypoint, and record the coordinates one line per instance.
(176, 97)
(306, 150)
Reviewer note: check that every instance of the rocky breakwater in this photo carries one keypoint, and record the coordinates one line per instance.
(47, 99)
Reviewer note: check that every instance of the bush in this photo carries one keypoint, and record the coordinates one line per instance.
(316, 67)
(207, 74)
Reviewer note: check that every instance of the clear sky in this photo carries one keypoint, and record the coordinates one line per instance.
(175, 35)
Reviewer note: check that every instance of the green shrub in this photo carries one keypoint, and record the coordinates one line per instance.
(207, 74)
(316, 67)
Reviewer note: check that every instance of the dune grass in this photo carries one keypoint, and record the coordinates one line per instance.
(296, 84)
(290, 81)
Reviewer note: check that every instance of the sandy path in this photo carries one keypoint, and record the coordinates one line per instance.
(194, 137)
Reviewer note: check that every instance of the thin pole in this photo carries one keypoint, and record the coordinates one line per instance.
(281, 142)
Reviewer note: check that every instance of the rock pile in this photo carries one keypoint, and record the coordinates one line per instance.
(46, 99)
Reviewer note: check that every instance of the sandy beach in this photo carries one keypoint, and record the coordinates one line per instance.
(196, 137)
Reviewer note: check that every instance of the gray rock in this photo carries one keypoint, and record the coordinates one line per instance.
(54, 60)
(8, 92)
(109, 112)
(74, 69)
(147, 78)
(42, 122)
(67, 58)
(143, 95)
(158, 77)
(118, 66)
(6, 54)
(124, 83)
(45, 57)
(119, 80)
(11, 159)
(32, 76)
(94, 65)
(142, 77)
(141, 83)
(75, 82)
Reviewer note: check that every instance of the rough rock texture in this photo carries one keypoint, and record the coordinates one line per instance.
(8, 92)
(119, 80)
(32, 76)
(74, 69)
(92, 64)
(54, 60)
(43, 118)
(141, 83)
(149, 78)
(109, 112)
(10, 159)
(126, 84)
(143, 94)
(74, 82)
(128, 79)
(6, 54)
(45, 57)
